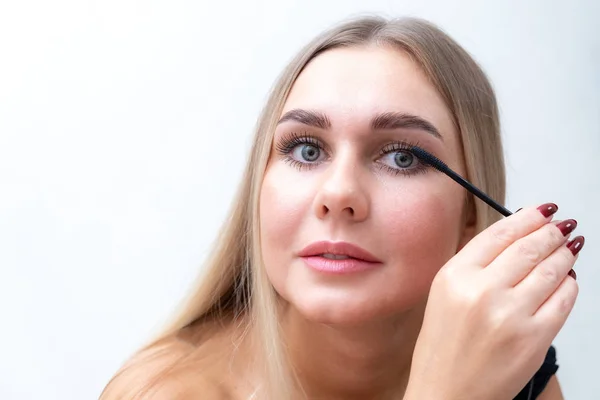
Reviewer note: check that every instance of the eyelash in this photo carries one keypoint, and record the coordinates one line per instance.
(292, 140)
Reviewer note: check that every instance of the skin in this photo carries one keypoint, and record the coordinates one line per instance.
(360, 326)
(443, 313)
(353, 336)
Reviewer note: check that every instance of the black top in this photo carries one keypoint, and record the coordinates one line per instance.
(539, 381)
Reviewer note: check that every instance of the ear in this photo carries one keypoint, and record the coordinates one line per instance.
(469, 224)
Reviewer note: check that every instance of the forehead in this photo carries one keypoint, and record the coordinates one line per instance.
(351, 85)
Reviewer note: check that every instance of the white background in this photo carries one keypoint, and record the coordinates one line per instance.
(124, 126)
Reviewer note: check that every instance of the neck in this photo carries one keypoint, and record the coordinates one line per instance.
(367, 361)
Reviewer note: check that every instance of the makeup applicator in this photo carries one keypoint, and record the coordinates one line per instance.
(442, 167)
(438, 164)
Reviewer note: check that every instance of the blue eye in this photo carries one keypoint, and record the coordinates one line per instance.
(301, 151)
(400, 159)
(403, 159)
(306, 152)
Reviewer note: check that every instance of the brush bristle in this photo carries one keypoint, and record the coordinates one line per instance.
(429, 159)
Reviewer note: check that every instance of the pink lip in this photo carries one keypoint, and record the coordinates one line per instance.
(360, 260)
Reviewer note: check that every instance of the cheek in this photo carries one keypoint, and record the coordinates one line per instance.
(422, 222)
(421, 233)
(284, 203)
(412, 224)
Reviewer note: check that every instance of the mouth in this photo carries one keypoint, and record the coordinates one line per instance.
(338, 257)
(330, 256)
(338, 251)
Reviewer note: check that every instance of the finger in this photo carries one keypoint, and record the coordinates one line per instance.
(551, 315)
(545, 278)
(492, 241)
(521, 257)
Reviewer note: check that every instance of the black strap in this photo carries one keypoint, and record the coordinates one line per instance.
(539, 381)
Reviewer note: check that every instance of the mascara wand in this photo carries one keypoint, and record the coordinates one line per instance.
(442, 167)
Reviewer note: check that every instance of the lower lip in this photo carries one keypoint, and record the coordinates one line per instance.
(344, 266)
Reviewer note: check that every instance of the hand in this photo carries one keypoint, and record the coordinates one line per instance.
(495, 308)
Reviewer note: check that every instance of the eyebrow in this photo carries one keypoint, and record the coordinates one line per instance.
(307, 117)
(396, 120)
(387, 120)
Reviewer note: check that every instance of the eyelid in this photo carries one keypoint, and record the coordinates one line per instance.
(289, 140)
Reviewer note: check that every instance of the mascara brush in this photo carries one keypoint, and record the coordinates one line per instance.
(442, 167)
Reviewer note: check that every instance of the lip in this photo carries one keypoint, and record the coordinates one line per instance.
(360, 260)
(338, 248)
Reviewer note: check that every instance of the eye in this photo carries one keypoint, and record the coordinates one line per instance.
(301, 151)
(400, 159)
(306, 152)
(403, 159)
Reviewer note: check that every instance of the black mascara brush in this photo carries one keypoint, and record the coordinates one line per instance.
(442, 167)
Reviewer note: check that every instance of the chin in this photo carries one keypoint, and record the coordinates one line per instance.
(343, 307)
(353, 299)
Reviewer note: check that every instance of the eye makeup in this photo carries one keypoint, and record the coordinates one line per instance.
(305, 151)
(312, 148)
(442, 167)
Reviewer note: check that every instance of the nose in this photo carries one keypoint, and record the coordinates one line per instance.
(341, 193)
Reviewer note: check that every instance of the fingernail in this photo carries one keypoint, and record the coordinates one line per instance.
(572, 274)
(548, 209)
(576, 244)
(567, 226)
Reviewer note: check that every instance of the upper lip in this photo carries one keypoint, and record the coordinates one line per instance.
(338, 248)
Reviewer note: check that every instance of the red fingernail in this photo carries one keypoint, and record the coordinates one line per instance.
(548, 209)
(567, 226)
(576, 244)
(572, 274)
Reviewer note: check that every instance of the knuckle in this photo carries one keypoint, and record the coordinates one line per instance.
(443, 276)
(553, 234)
(503, 233)
(565, 256)
(501, 321)
(567, 300)
(528, 251)
(470, 298)
(447, 283)
(507, 330)
(565, 305)
(549, 275)
(476, 298)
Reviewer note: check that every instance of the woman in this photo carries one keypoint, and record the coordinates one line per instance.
(348, 269)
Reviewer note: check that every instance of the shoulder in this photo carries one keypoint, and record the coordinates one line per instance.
(552, 391)
(159, 373)
(181, 366)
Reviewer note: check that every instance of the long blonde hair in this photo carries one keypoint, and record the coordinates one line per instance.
(234, 281)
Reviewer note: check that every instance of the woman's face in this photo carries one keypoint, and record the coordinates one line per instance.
(338, 176)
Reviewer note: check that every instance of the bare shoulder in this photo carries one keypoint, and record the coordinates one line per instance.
(195, 361)
(552, 391)
(139, 380)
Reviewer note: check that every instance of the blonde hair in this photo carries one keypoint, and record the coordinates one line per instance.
(234, 281)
